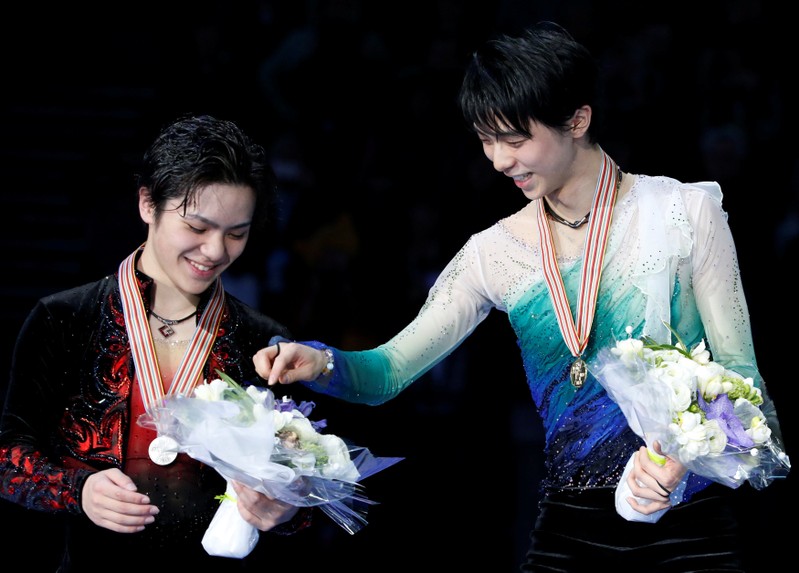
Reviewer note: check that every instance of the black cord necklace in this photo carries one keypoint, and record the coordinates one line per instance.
(558, 219)
(579, 222)
(167, 329)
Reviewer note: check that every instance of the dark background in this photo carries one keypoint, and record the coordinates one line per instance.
(381, 183)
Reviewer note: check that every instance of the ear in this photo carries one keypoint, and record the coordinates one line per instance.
(146, 208)
(580, 121)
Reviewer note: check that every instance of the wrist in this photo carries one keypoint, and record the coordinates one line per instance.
(330, 363)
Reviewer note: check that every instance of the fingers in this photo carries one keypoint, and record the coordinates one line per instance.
(643, 490)
(649, 507)
(262, 511)
(656, 456)
(110, 500)
(288, 362)
(274, 378)
(264, 362)
(667, 491)
(646, 501)
(652, 479)
(113, 483)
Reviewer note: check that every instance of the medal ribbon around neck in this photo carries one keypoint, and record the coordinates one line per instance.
(576, 335)
(141, 340)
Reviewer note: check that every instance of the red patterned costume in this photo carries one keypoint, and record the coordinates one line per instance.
(72, 408)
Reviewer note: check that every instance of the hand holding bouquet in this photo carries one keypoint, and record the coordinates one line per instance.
(703, 415)
(269, 445)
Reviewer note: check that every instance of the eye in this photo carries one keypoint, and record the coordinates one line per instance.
(194, 229)
(515, 143)
(238, 236)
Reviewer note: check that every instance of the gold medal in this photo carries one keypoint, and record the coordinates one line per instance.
(575, 332)
(578, 372)
(163, 450)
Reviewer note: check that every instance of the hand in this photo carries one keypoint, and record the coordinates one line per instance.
(652, 481)
(262, 511)
(110, 500)
(287, 362)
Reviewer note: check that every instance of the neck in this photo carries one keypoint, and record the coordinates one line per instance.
(173, 312)
(573, 200)
(165, 300)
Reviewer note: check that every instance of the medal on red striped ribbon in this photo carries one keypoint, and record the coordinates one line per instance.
(575, 335)
(148, 373)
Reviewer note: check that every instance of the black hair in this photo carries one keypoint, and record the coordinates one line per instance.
(544, 75)
(196, 151)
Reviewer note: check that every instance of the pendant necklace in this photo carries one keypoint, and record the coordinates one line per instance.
(576, 335)
(167, 329)
(557, 218)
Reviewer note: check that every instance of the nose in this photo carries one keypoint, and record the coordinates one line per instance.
(214, 247)
(501, 156)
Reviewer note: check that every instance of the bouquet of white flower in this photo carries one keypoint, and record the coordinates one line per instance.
(703, 415)
(269, 445)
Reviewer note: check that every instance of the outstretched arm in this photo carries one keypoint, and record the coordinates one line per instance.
(456, 304)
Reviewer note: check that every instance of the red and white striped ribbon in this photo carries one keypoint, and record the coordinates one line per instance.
(141, 340)
(576, 335)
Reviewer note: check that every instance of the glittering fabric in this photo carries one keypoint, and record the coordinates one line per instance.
(670, 257)
(183, 490)
(70, 412)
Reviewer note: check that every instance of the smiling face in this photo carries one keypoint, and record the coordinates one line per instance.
(188, 249)
(538, 164)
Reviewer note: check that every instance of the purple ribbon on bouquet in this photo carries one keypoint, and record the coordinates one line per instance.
(722, 410)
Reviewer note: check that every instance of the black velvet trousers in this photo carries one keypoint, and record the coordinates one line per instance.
(581, 531)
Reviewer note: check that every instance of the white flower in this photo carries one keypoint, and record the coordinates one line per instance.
(628, 350)
(759, 430)
(271, 446)
(703, 414)
(700, 354)
(672, 371)
(282, 419)
(671, 355)
(259, 396)
(262, 412)
(710, 380)
(302, 426)
(301, 446)
(691, 436)
(212, 392)
(716, 438)
(338, 464)
(682, 396)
